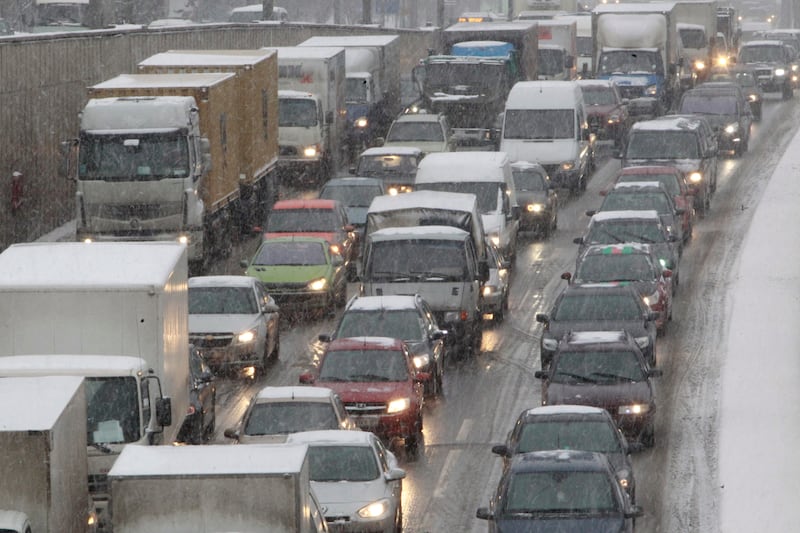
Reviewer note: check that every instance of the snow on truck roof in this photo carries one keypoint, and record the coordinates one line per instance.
(67, 265)
(544, 94)
(37, 401)
(490, 26)
(210, 460)
(563, 409)
(71, 365)
(306, 52)
(375, 303)
(350, 40)
(451, 201)
(462, 166)
(688, 26)
(194, 79)
(644, 7)
(210, 58)
(419, 232)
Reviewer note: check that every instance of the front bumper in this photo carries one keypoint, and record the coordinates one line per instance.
(218, 350)
(529, 220)
(632, 426)
(385, 426)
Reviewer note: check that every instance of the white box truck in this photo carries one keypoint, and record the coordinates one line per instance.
(43, 463)
(558, 48)
(123, 303)
(311, 112)
(248, 489)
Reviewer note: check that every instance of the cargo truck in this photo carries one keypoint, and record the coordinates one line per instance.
(123, 308)
(637, 46)
(256, 76)
(312, 112)
(157, 160)
(43, 464)
(187, 489)
(583, 40)
(470, 80)
(697, 28)
(372, 97)
(558, 48)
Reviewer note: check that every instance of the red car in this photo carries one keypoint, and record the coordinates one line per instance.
(315, 218)
(675, 183)
(380, 388)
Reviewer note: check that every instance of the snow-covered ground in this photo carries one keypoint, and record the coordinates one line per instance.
(759, 437)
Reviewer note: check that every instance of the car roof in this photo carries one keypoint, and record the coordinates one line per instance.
(566, 409)
(313, 203)
(292, 392)
(392, 150)
(625, 248)
(294, 238)
(222, 281)
(670, 122)
(639, 186)
(644, 214)
(527, 165)
(353, 180)
(418, 117)
(419, 232)
(365, 343)
(596, 337)
(560, 460)
(374, 303)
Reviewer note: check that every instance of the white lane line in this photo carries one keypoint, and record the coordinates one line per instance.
(463, 432)
(441, 483)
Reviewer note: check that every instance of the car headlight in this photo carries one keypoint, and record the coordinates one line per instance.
(310, 151)
(246, 336)
(652, 90)
(722, 61)
(184, 238)
(699, 65)
(633, 409)
(335, 249)
(732, 128)
(398, 406)
(393, 191)
(495, 240)
(752, 97)
(375, 510)
(488, 290)
(567, 165)
(651, 299)
(780, 72)
(421, 360)
(613, 119)
(549, 344)
(624, 477)
(695, 177)
(361, 122)
(642, 342)
(794, 68)
(534, 208)
(318, 284)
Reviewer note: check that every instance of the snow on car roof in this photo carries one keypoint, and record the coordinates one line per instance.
(330, 436)
(294, 392)
(66, 265)
(290, 93)
(374, 303)
(594, 337)
(306, 52)
(209, 460)
(461, 166)
(638, 185)
(354, 343)
(37, 401)
(649, 169)
(221, 281)
(71, 365)
(645, 214)
(563, 409)
(391, 150)
(418, 117)
(451, 201)
(668, 123)
(762, 42)
(193, 79)
(437, 232)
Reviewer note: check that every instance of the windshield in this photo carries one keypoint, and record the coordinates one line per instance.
(663, 145)
(539, 124)
(402, 324)
(560, 491)
(342, 463)
(297, 112)
(637, 201)
(133, 157)
(630, 62)
(529, 180)
(551, 62)
(290, 253)
(464, 78)
(762, 54)
(615, 267)
(351, 195)
(486, 192)
(599, 96)
(364, 366)
(276, 418)
(669, 181)
(112, 410)
(584, 46)
(590, 307)
(415, 131)
(302, 221)
(356, 91)
(418, 260)
(222, 301)
(693, 38)
(708, 104)
(380, 165)
(589, 435)
(597, 367)
(615, 232)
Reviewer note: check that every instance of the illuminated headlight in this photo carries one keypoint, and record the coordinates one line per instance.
(310, 151)
(634, 409)
(780, 72)
(567, 165)
(375, 510)
(398, 406)
(752, 97)
(663, 262)
(318, 284)
(652, 90)
(488, 290)
(731, 128)
(794, 68)
(421, 361)
(695, 177)
(183, 239)
(722, 61)
(624, 478)
(613, 119)
(335, 249)
(413, 109)
(699, 65)
(652, 299)
(246, 336)
(549, 344)
(534, 208)
(361, 122)
(88, 240)
(495, 240)
(642, 342)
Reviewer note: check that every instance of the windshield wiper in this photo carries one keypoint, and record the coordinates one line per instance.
(577, 377)
(613, 376)
(102, 447)
(368, 377)
(332, 378)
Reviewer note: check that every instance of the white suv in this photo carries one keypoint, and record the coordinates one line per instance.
(428, 132)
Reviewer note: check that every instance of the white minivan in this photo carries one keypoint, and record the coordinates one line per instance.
(544, 122)
(488, 176)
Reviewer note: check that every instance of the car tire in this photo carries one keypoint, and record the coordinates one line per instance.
(411, 445)
(340, 300)
(275, 353)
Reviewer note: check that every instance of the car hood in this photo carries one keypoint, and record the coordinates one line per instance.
(221, 323)
(327, 235)
(531, 197)
(558, 329)
(643, 287)
(560, 524)
(288, 273)
(599, 394)
(427, 147)
(600, 110)
(346, 497)
(368, 392)
(277, 438)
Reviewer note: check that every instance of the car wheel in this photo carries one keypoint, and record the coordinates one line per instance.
(788, 92)
(341, 296)
(439, 381)
(398, 519)
(273, 356)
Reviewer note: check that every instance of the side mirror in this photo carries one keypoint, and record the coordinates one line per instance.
(655, 372)
(541, 374)
(680, 211)
(501, 450)
(578, 240)
(394, 474)
(270, 307)
(566, 276)
(243, 263)
(325, 337)
(542, 318)
(231, 433)
(164, 411)
(379, 141)
(307, 378)
(484, 513)
(591, 212)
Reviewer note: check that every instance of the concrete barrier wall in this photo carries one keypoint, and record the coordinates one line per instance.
(43, 84)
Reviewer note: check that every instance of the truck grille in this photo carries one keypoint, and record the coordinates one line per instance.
(763, 73)
(216, 340)
(98, 484)
(631, 91)
(134, 211)
(366, 408)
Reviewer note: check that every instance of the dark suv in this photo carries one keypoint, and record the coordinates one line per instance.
(727, 110)
(772, 61)
(687, 142)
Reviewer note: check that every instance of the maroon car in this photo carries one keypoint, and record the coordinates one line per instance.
(606, 111)
(377, 381)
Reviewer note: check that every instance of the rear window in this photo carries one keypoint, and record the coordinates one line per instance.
(275, 418)
(663, 144)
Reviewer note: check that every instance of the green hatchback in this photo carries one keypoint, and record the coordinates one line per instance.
(300, 273)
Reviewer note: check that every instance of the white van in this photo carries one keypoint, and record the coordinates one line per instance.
(544, 122)
(488, 176)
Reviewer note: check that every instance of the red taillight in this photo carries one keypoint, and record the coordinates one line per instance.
(191, 410)
(464, 316)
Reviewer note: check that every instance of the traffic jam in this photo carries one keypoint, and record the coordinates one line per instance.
(453, 299)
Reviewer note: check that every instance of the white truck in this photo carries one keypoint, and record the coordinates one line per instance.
(516, 7)
(558, 48)
(121, 307)
(372, 65)
(583, 39)
(188, 489)
(43, 464)
(311, 112)
(697, 28)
